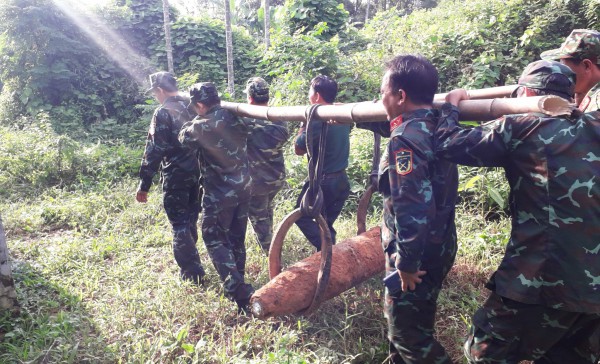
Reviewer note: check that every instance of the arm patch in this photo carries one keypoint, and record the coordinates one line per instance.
(404, 161)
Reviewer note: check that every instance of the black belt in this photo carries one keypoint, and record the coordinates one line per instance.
(334, 174)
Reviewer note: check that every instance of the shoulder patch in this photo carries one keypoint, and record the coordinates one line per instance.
(404, 161)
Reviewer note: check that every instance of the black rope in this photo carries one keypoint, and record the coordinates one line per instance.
(373, 177)
(312, 201)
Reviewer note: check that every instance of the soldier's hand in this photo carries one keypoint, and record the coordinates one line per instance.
(141, 196)
(410, 280)
(456, 96)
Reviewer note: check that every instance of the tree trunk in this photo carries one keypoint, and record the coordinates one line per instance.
(8, 295)
(229, 45)
(368, 8)
(267, 24)
(167, 23)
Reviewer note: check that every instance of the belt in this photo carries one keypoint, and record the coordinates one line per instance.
(334, 174)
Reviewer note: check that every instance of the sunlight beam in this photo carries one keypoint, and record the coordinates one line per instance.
(113, 45)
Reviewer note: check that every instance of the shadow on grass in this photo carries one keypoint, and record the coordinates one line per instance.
(51, 327)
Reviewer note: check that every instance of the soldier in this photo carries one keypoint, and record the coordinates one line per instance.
(180, 172)
(581, 52)
(545, 300)
(419, 192)
(334, 185)
(221, 139)
(267, 168)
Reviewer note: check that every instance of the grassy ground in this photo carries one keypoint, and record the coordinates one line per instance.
(97, 283)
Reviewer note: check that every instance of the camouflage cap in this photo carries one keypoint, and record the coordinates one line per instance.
(580, 44)
(548, 76)
(164, 80)
(203, 91)
(257, 86)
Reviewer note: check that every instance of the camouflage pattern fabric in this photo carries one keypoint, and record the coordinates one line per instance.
(261, 217)
(180, 175)
(221, 139)
(418, 232)
(183, 207)
(506, 331)
(179, 165)
(580, 44)
(549, 76)
(267, 170)
(552, 260)
(591, 102)
(552, 165)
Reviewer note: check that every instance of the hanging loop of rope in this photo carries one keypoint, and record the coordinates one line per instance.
(310, 206)
(365, 199)
(312, 201)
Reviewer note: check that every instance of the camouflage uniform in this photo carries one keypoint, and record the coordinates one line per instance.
(545, 304)
(267, 167)
(581, 44)
(221, 139)
(418, 231)
(180, 176)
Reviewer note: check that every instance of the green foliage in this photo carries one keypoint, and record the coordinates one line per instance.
(36, 158)
(474, 44)
(199, 49)
(304, 16)
(48, 64)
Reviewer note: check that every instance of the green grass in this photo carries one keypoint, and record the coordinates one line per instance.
(97, 282)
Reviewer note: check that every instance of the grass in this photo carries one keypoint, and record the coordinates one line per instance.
(97, 283)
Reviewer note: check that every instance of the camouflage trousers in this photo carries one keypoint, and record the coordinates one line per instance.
(411, 319)
(261, 217)
(507, 331)
(224, 233)
(183, 207)
(336, 189)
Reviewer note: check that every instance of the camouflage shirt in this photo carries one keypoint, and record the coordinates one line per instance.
(419, 195)
(591, 101)
(553, 168)
(179, 165)
(265, 155)
(221, 138)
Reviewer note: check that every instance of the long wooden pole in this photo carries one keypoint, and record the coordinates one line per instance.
(470, 110)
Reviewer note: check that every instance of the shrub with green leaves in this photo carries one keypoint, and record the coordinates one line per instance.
(37, 158)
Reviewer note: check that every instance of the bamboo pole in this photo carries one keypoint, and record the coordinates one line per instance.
(484, 93)
(470, 110)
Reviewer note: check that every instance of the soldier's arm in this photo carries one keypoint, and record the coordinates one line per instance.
(380, 127)
(157, 145)
(485, 145)
(191, 134)
(300, 142)
(413, 203)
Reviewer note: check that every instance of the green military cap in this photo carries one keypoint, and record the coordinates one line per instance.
(164, 80)
(257, 87)
(549, 76)
(580, 44)
(203, 91)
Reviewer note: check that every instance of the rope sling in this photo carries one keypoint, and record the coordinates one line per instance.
(365, 199)
(310, 205)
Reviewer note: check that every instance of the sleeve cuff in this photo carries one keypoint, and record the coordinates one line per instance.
(407, 265)
(145, 185)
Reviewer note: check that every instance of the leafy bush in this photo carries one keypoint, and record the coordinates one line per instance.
(36, 158)
(474, 44)
(48, 64)
(304, 15)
